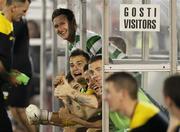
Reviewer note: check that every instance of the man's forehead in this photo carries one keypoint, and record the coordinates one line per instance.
(95, 64)
(77, 58)
(60, 18)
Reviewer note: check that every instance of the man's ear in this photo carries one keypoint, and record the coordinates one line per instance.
(168, 101)
(121, 93)
(13, 8)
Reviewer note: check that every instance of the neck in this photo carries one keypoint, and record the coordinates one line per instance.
(130, 108)
(71, 39)
(178, 114)
(7, 14)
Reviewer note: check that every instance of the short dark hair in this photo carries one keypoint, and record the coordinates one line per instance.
(9, 2)
(95, 58)
(119, 42)
(124, 80)
(171, 88)
(62, 11)
(69, 77)
(86, 67)
(79, 52)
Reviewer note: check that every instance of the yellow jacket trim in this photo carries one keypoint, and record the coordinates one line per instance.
(143, 112)
(6, 27)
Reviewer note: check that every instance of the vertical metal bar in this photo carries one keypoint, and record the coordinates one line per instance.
(55, 102)
(145, 50)
(145, 39)
(105, 55)
(43, 60)
(173, 36)
(83, 24)
(67, 52)
(54, 58)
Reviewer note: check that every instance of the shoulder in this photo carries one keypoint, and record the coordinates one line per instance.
(91, 34)
(6, 27)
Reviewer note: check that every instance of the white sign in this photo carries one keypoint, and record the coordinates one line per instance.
(139, 17)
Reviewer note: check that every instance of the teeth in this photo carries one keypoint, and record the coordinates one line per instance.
(77, 74)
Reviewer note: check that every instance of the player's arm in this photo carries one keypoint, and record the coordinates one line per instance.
(4, 75)
(64, 89)
(61, 118)
(68, 119)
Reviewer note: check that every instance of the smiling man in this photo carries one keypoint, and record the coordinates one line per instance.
(83, 108)
(66, 27)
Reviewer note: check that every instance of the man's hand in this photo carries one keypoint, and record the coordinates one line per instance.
(58, 80)
(13, 81)
(12, 77)
(64, 89)
(36, 115)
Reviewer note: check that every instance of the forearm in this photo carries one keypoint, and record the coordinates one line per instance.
(56, 120)
(87, 124)
(73, 121)
(83, 99)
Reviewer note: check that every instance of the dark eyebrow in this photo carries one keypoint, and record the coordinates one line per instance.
(79, 61)
(98, 68)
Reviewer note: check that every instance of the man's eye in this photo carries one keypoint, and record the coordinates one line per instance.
(79, 64)
(98, 69)
(62, 23)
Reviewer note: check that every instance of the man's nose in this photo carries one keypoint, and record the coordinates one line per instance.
(76, 67)
(58, 29)
(94, 76)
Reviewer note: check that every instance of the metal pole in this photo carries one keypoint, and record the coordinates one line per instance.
(43, 60)
(54, 59)
(145, 51)
(55, 102)
(173, 36)
(83, 24)
(105, 55)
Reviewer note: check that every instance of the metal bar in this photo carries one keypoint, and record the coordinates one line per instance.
(54, 57)
(132, 61)
(173, 36)
(137, 67)
(83, 24)
(55, 102)
(43, 61)
(105, 55)
(178, 68)
(145, 51)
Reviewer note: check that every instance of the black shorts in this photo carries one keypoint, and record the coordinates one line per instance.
(19, 96)
(5, 123)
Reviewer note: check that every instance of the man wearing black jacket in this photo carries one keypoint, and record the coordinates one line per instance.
(12, 10)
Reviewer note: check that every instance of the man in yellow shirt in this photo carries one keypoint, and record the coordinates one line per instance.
(12, 10)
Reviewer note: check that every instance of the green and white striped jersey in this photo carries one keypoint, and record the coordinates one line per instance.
(94, 46)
